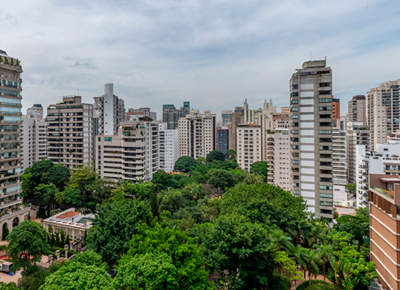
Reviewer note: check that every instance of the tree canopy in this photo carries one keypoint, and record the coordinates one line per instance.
(184, 164)
(215, 155)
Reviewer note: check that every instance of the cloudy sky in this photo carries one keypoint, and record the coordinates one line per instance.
(213, 53)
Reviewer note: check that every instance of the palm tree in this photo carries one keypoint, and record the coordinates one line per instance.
(59, 197)
(299, 255)
(313, 260)
(325, 253)
(281, 239)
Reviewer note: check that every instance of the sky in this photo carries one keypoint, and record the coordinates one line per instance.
(214, 54)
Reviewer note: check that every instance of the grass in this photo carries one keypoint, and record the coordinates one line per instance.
(315, 285)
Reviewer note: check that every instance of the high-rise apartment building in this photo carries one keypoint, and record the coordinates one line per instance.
(278, 157)
(70, 132)
(223, 138)
(141, 112)
(339, 164)
(197, 134)
(280, 120)
(311, 136)
(36, 111)
(237, 118)
(357, 134)
(248, 145)
(10, 162)
(111, 111)
(357, 109)
(384, 200)
(168, 147)
(132, 154)
(33, 140)
(227, 117)
(171, 115)
(335, 109)
(383, 111)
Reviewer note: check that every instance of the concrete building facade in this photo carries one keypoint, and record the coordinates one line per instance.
(36, 111)
(132, 154)
(383, 115)
(339, 164)
(248, 145)
(278, 157)
(70, 132)
(223, 138)
(111, 111)
(33, 141)
(237, 118)
(227, 117)
(357, 134)
(168, 147)
(197, 134)
(357, 110)
(335, 109)
(311, 136)
(171, 115)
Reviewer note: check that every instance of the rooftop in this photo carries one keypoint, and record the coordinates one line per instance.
(68, 214)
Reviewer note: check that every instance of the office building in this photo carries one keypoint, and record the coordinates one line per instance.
(132, 154)
(70, 132)
(383, 111)
(357, 134)
(171, 115)
(237, 118)
(335, 109)
(168, 147)
(111, 111)
(384, 200)
(223, 138)
(197, 134)
(357, 110)
(278, 157)
(311, 136)
(248, 145)
(227, 117)
(12, 212)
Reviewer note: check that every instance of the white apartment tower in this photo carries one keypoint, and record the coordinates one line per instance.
(197, 134)
(168, 147)
(278, 157)
(33, 137)
(248, 145)
(339, 164)
(132, 154)
(311, 136)
(383, 111)
(70, 132)
(111, 111)
(357, 134)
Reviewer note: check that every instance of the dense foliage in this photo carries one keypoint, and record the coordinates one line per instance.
(211, 221)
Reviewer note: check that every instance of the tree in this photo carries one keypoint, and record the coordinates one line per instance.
(351, 187)
(59, 175)
(8, 286)
(260, 168)
(184, 164)
(5, 232)
(201, 160)
(82, 178)
(161, 179)
(173, 254)
(230, 155)
(325, 253)
(215, 155)
(80, 273)
(220, 178)
(72, 196)
(286, 267)
(46, 193)
(357, 225)
(312, 260)
(27, 244)
(114, 226)
(243, 248)
(154, 203)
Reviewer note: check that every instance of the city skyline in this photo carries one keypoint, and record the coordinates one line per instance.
(212, 54)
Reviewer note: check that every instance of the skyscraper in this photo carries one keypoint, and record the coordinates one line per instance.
(168, 147)
(357, 109)
(226, 117)
(223, 134)
(110, 110)
(10, 163)
(383, 111)
(311, 136)
(171, 115)
(237, 118)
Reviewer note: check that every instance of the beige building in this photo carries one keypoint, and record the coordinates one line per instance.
(197, 134)
(70, 132)
(278, 157)
(33, 141)
(357, 134)
(12, 212)
(248, 145)
(132, 154)
(237, 118)
(357, 111)
(110, 111)
(383, 111)
(311, 136)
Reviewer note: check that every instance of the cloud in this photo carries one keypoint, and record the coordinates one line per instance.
(212, 53)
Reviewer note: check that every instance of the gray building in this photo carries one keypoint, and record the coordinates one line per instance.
(223, 139)
(171, 115)
(226, 117)
(357, 109)
(311, 136)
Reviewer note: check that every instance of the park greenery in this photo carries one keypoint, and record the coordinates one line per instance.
(210, 225)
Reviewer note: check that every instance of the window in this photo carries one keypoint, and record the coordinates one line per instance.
(108, 139)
